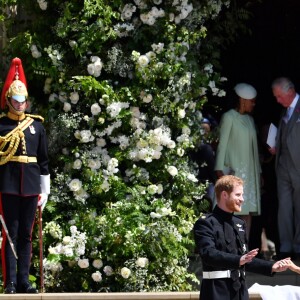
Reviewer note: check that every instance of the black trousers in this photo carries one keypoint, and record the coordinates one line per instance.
(19, 214)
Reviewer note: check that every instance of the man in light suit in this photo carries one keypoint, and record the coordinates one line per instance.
(288, 167)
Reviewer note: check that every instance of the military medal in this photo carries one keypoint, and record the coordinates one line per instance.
(32, 130)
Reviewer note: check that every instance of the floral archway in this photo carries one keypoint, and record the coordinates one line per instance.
(122, 84)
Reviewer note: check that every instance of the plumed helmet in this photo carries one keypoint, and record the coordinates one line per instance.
(15, 85)
(245, 91)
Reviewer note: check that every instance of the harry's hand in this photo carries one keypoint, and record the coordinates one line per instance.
(248, 256)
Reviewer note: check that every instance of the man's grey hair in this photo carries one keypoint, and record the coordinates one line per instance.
(283, 83)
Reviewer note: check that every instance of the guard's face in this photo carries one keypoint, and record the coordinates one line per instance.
(18, 106)
(234, 200)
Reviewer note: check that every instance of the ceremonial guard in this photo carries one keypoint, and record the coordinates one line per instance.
(221, 242)
(24, 179)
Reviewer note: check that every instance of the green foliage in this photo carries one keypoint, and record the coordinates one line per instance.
(122, 84)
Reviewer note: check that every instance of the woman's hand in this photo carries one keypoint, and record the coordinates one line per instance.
(282, 265)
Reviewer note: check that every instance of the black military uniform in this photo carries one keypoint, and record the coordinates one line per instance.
(20, 187)
(24, 175)
(220, 239)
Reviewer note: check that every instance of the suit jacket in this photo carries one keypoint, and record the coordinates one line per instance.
(220, 239)
(293, 136)
(24, 178)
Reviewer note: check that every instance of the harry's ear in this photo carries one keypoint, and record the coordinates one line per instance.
(224, 194)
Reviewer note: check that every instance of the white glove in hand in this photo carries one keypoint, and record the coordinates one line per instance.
(43, 198)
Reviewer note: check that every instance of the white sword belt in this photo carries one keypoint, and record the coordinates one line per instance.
(219, 274)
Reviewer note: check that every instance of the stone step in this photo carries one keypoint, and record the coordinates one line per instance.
(111, 296)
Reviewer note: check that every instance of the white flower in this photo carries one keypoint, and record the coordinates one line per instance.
(125, 272)
(75, 185)
(152, 189)
(97, 263)
(66, 240)
(53, 97)
(67, 107)
(95, 67)
(160, 189)
(148, 98)
(143, 60)
(73, 230)
(172, 170)
(35, 52)
(95, 109)
(180, 152)
(97, 277)
(100, 142)
(74, 97)
(105, 186)
(94, 164)
(77, 164)
(142, 262)
(155, 215)
(192, 178)
(181, 113)
(108, 270)
(62, 97)
(83, 263)
(72, 43)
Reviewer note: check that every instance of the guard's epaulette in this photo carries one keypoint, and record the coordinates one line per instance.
(35, 117)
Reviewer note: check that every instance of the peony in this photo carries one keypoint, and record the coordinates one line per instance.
(97, 276)
(125, 272)
(83, 263)
(97, 263)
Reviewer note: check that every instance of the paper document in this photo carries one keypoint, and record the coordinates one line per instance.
(271, 140)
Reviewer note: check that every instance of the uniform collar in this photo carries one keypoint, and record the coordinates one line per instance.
(16, 117)
(226, 216)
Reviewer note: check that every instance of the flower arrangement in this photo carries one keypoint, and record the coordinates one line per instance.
(124, 84)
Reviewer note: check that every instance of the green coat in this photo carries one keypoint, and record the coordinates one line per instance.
(237, 154)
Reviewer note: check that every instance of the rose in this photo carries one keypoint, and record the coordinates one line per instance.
(74, 97)
(108, 270)
(97, 263)
(125, 272)
(67, 107)
(75, 185)
(97, 276)
(95, 109)
(83, 263)
(77, 164)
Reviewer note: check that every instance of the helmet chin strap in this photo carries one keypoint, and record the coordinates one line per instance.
(13, 110)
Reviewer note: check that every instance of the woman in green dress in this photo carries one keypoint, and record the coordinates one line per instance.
(237, 151)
